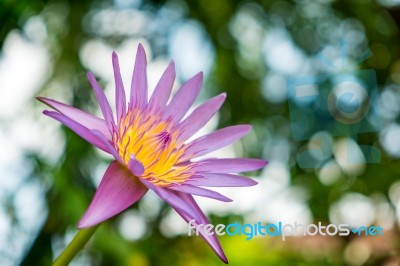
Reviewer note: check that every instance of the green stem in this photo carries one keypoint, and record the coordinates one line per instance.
(79, 241)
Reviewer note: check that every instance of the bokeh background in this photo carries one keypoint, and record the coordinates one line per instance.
(249, 49)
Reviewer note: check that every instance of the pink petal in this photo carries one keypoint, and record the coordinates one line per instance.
(118, 190)
(221, 180)
(187, 188)
(135, 166)
(184, 98)
(161, 93)
(233, 165)
(82, 131)
(200, 116)
(120, 100)
(215, 140)
(139, 80)
(169, 196)
(85, 119)
(212, 240)
(103, 102)
(186, 206)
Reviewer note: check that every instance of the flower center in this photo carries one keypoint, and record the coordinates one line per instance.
(153, 142)
(164, 137)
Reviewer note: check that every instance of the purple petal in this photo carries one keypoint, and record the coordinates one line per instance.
(139, 80)
(233, 165)
(82, 131)
(212, 240)
(215, 140)
(103, 102)
(135, 166)
(120, 100)
(221, 180)
(170, 197)
(186, 206)
(187, 188)
(117, 191)
(111, 149)
(85, 119)
(184, 98)
(200, 116)
(161, 93)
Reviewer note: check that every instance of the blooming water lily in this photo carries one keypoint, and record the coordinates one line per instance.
(148, 138)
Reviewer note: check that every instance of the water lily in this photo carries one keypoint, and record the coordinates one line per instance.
(148, 139)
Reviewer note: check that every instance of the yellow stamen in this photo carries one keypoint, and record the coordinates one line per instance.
(151, 141)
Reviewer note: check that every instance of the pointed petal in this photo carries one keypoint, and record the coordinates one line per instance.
(184, 98)
(212, 240)
(221, 180)
(233, 165)
(118, 190)
(82, 131)
(170, 197)
(200, 116)
(185, 206)
(161, 93)
(189, 189)
(103, 102)
(135, 166)
(215, 140)
(120, 101)
(139, 80)
(85, 119)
